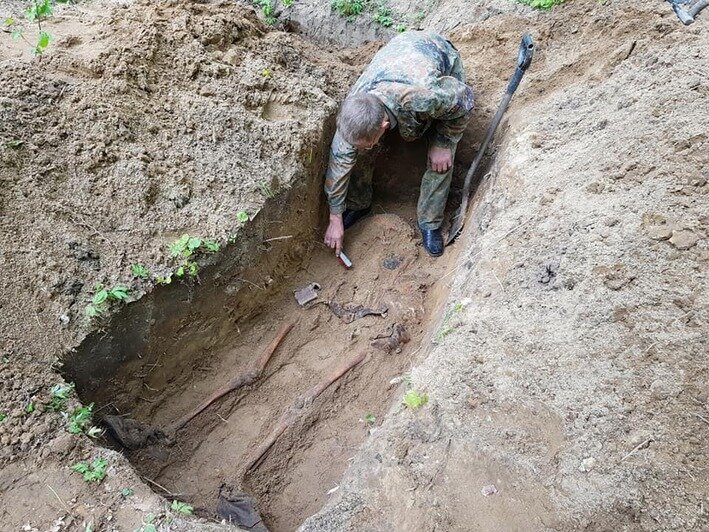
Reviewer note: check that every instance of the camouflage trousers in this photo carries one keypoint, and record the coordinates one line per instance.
(432, 197)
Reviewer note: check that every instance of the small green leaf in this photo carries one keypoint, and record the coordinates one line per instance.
(181, 507)
(415, 400)
(211, 246)
(242, 216)
(119, 293)
(43, 40)
(163, 280)
(127, 492)
(3, 417)
(192, 268)
(17, 35)
(80, 468)
(370, 419)
(95, 472)
(180, 272)
(138, 270)
(29, 408)
(100, 297)
(9, 21)
(194, 243)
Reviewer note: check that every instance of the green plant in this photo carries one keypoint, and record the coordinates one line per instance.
(541, 4)
(419, 16)
(79, 418)
(3, 417)
(185, 248)
(14, 143)
(181, 507)
(163, 280)
(369, 419)
(36, 13)
(446, 327)
(103, 296)
(242, 216)
(268, 11)
(265, 189)
(29, 407)
(400, 28)
(95, 472)
(127, 492)
(148, 524)
(348, 8)
(60, 394)
(383, 16)
(415, 400)
(267, 73)
(140, 271)
(288, 3)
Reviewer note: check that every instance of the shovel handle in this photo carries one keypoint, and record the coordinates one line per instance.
(524, 58)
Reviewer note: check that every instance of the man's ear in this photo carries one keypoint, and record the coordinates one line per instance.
(386, 124)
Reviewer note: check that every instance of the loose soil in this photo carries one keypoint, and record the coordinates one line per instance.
(562, 340)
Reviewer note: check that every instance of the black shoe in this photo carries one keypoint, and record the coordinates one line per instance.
(432, 241)
(350, 217)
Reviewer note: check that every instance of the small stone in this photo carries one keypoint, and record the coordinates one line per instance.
(62, 444)
(587, 464)
(662, 390)
(683, 239)
(659, 232)
(488, 490)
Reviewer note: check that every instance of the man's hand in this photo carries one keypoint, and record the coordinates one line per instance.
(335, 233)
(440, 159)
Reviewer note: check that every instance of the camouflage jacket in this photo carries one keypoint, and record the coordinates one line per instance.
(419, 77)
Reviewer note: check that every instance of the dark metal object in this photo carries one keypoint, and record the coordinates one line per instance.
(524, 58)
(686, 10)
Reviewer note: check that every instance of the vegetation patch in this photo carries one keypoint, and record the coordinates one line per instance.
(93, 472)
(541, 4)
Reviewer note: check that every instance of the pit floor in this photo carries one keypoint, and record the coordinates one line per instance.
(311, 456)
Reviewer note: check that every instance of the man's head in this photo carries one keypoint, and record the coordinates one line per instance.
(362, 120)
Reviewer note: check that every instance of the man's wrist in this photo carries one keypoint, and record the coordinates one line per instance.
(335, 216)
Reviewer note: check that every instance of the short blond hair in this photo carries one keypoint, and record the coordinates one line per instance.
(361, 117)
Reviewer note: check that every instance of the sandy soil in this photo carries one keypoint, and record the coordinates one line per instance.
(567, 367)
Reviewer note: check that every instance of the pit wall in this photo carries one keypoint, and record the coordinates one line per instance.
(115, 362)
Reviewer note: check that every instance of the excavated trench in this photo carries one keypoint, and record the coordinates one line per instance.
(163, 355)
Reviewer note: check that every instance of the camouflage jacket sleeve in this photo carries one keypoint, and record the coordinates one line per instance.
(342, 159)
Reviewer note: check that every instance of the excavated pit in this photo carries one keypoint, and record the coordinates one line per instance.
(164, 354)
(161, 356)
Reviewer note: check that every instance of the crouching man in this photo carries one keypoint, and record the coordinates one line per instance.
(416, 85)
